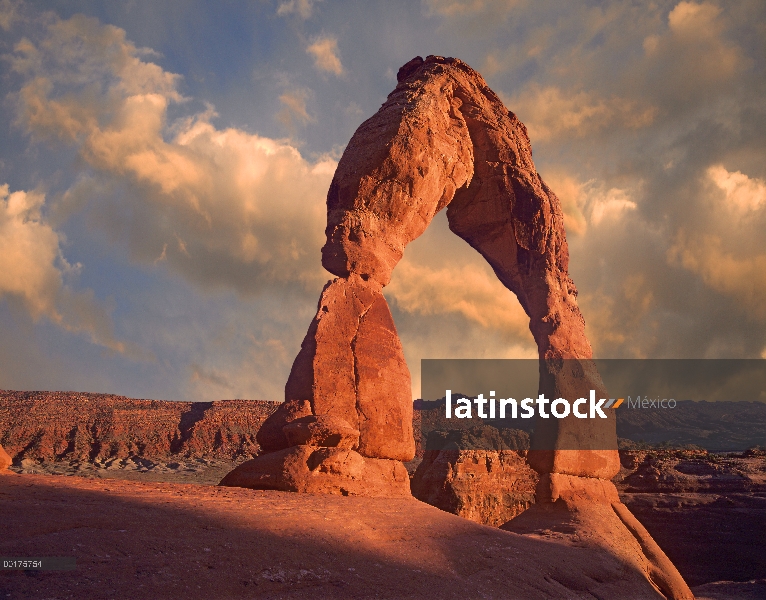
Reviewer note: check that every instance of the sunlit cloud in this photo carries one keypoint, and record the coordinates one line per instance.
(741, 192)
(743, 278)
(549, 112)
(472, 293)
(294, 109)
(221, 206)
(8, 14)
(460, 8)
(33, 271)
(325, 53)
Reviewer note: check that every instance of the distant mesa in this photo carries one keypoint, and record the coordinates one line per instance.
(51, 426)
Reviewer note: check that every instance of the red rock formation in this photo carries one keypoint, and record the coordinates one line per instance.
(487, 486)
(5, 459)
(444, 139)
(322, 470)
(590, 508)
(351, 375)
(351, 365)
(74, 426)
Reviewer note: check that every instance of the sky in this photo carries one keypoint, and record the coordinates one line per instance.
(164, 168)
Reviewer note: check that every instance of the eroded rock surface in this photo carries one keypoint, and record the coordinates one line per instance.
(486, 486)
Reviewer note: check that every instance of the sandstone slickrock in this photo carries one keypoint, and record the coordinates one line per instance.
(588, 510)
(444, 139)
(202, 542)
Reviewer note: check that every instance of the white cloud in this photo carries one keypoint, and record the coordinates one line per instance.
(31, 264)
(588, 203)
(33, 269)
(220, 205)
(325, 53)
(610, 206)
(741, 192)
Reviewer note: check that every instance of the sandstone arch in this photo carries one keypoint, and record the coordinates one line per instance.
(443, 139)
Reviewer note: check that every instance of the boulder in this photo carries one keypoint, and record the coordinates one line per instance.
(317, 470)
(271, 436)
(486, 486)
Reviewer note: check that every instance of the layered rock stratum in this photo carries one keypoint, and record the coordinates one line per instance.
(50, 426)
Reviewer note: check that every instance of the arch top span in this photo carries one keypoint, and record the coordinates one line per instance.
(443, 138)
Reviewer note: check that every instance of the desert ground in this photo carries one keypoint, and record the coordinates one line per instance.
(140, 532)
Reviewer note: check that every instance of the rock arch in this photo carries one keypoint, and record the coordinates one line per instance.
(443, 139)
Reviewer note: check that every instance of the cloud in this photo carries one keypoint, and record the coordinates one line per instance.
(33, 269)
(550, 112)
(294, 109)
(31, 260)
(570, 192)
(303, 8)
(743, 278)
(693, 59)
(460, 8)
(725, 247)
(472, 293)
(325, 53)
(610, 206)
(220, 206)
(589, 203)
(741, 192)
(8, 14)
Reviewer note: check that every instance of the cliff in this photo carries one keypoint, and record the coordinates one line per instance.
(76, 426)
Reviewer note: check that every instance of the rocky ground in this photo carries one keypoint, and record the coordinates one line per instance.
(167, 540)
(203, 471)
(156, 540)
